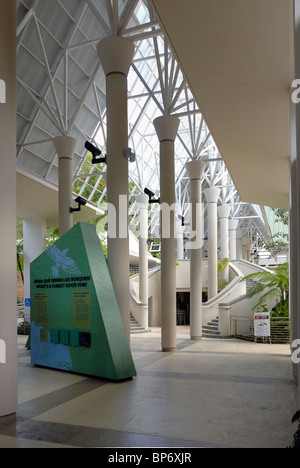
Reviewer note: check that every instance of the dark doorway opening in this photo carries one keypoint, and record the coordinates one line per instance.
(183, 308)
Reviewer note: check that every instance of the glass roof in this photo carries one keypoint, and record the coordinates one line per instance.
(61, 90)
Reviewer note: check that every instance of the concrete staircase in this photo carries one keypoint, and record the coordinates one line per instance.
(135, 327)
(211, 330)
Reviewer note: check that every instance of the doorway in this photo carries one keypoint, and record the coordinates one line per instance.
(183, 308)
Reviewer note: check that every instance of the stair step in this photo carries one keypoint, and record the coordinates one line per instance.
(211, 330)
(211, 326)
(135, 327)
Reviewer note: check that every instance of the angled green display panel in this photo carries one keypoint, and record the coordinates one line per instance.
(75, 319)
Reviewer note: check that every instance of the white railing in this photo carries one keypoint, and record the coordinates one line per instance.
(243, 327)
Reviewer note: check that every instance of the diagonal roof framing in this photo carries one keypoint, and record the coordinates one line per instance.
(61, 90)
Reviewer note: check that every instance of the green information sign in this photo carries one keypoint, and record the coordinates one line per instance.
(82, 309)
(41, 303)
(75, 319)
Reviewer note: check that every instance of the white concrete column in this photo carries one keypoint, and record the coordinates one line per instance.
(65, 148)
(166, 128)
(142, 202)
(180, 241)
(239, 244)
(34, 244)
(249, 251)
(116, 55)
(212, 195)
(246, 248)
(195, 171)
(233, 224)
(224, 213)
(8, 286)
(255, 257)
(294, 224)
(294, 212)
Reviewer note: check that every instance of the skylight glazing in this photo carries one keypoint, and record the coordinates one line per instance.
(61, 90)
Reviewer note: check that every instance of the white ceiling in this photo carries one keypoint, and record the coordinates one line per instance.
(238, 60)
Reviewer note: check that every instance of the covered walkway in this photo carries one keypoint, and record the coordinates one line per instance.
(211, 393)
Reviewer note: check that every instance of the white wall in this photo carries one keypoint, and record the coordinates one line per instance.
(231, 301)
(147, 315)
(240, 306)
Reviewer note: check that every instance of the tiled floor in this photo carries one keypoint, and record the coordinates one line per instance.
(212, 393)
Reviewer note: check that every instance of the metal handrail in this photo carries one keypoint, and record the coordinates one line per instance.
(243, 327)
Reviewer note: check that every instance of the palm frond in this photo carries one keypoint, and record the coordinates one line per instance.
(275, 282)
(271, 293)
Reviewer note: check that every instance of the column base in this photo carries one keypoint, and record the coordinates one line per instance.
(196, 338)
(169, 350)
(8, 419)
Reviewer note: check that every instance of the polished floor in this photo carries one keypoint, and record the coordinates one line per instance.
(209, 394)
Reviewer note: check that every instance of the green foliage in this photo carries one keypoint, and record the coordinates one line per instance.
(158, 253)
(52, 236)
(274, 284)
(282, 215)
(280, 240)
(282, 310)
(104, 248)
(278, 244)
(222, 265)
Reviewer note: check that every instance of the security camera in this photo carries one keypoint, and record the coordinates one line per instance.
(130, 155)
(151, 195)
(96, 152)
(81, 202)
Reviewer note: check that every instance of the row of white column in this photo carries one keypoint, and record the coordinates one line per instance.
(115, 54)
(228, 248)
(232, 243)
(228, 239)
(195, 171)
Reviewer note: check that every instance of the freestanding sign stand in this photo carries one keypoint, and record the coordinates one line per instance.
(76, 324)
(262, 326)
